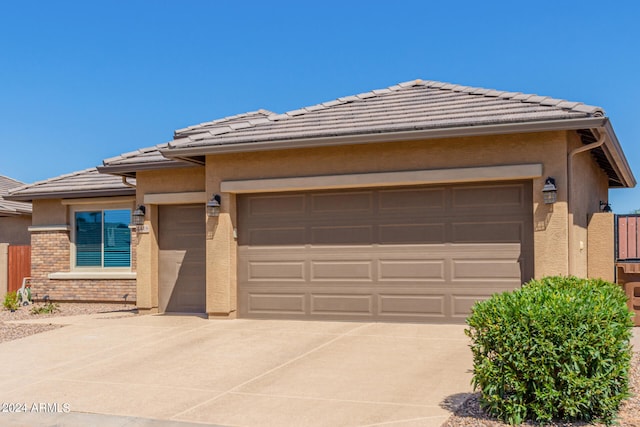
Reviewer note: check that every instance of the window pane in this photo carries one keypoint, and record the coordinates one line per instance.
(117, 238)
(88, 239)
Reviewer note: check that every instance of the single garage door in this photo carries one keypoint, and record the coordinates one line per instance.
(181, 258)
(392, 254)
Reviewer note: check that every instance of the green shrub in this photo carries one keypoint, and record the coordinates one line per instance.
(11, 301)
(557, 348)
(47, 308)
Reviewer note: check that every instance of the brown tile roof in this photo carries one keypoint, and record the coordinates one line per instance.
(8, 207)
(85, 183)
(232, 122)
(414, 105)
(149, 157)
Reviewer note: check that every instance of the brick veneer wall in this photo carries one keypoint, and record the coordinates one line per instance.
(51, 253)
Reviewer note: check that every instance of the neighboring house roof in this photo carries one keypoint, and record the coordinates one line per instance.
(8, 207)
(128, 164)
(413, 110)
(85, 183)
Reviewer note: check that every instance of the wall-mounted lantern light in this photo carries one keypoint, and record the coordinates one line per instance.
(605, 206)
(137, 217)
(550, 191)
(213, 206)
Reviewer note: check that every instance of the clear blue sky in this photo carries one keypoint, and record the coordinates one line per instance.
(85, 80)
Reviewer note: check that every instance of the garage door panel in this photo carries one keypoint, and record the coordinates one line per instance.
(341, 303)
(397, 254)
(479, 232)
(503, 196)
(411, 233)
(275, 236)
(428, 306)
(410, 270)
(340, 270)
(273, 304)
(485, 269)
(276, 271)
(342, 203)
(352, 235)
(275, 205)
(412, 199)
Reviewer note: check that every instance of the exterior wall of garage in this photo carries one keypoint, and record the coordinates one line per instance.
(589, 187)
(550, 221)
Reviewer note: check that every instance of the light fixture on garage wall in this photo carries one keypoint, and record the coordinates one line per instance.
(605, 206)
(213, 206)
(550, 191)
(137, 217)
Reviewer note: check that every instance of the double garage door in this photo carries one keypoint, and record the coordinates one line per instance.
(392, 254)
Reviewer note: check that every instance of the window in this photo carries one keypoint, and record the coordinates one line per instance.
(103, 238)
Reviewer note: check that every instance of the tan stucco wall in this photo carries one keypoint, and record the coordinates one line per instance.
(181, 180)
(589, 187)
(49, 212)
(15, 230)
(600, 246)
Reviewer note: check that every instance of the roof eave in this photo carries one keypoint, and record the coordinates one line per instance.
(130, 169)
(72, 194)
(14, 214)
(617, 158)
(409, 135)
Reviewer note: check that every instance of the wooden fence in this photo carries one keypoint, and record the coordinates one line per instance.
(19, 266)
(627, 241)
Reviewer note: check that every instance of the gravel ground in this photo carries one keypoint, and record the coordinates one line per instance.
(10, 332)
(469, 414)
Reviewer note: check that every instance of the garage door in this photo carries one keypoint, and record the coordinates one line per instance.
(181, 259)
(393, 254)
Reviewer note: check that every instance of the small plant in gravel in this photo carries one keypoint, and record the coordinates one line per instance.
(11, 301)
(556, 349)
(47, 308)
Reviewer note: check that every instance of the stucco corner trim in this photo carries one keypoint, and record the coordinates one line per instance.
(385, 179)
(175, 198)
(47, 228)
(95, 275)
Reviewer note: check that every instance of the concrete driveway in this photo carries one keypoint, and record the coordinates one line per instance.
(239, 372)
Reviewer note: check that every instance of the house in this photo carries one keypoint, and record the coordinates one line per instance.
(402, 204)
(15, 219)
